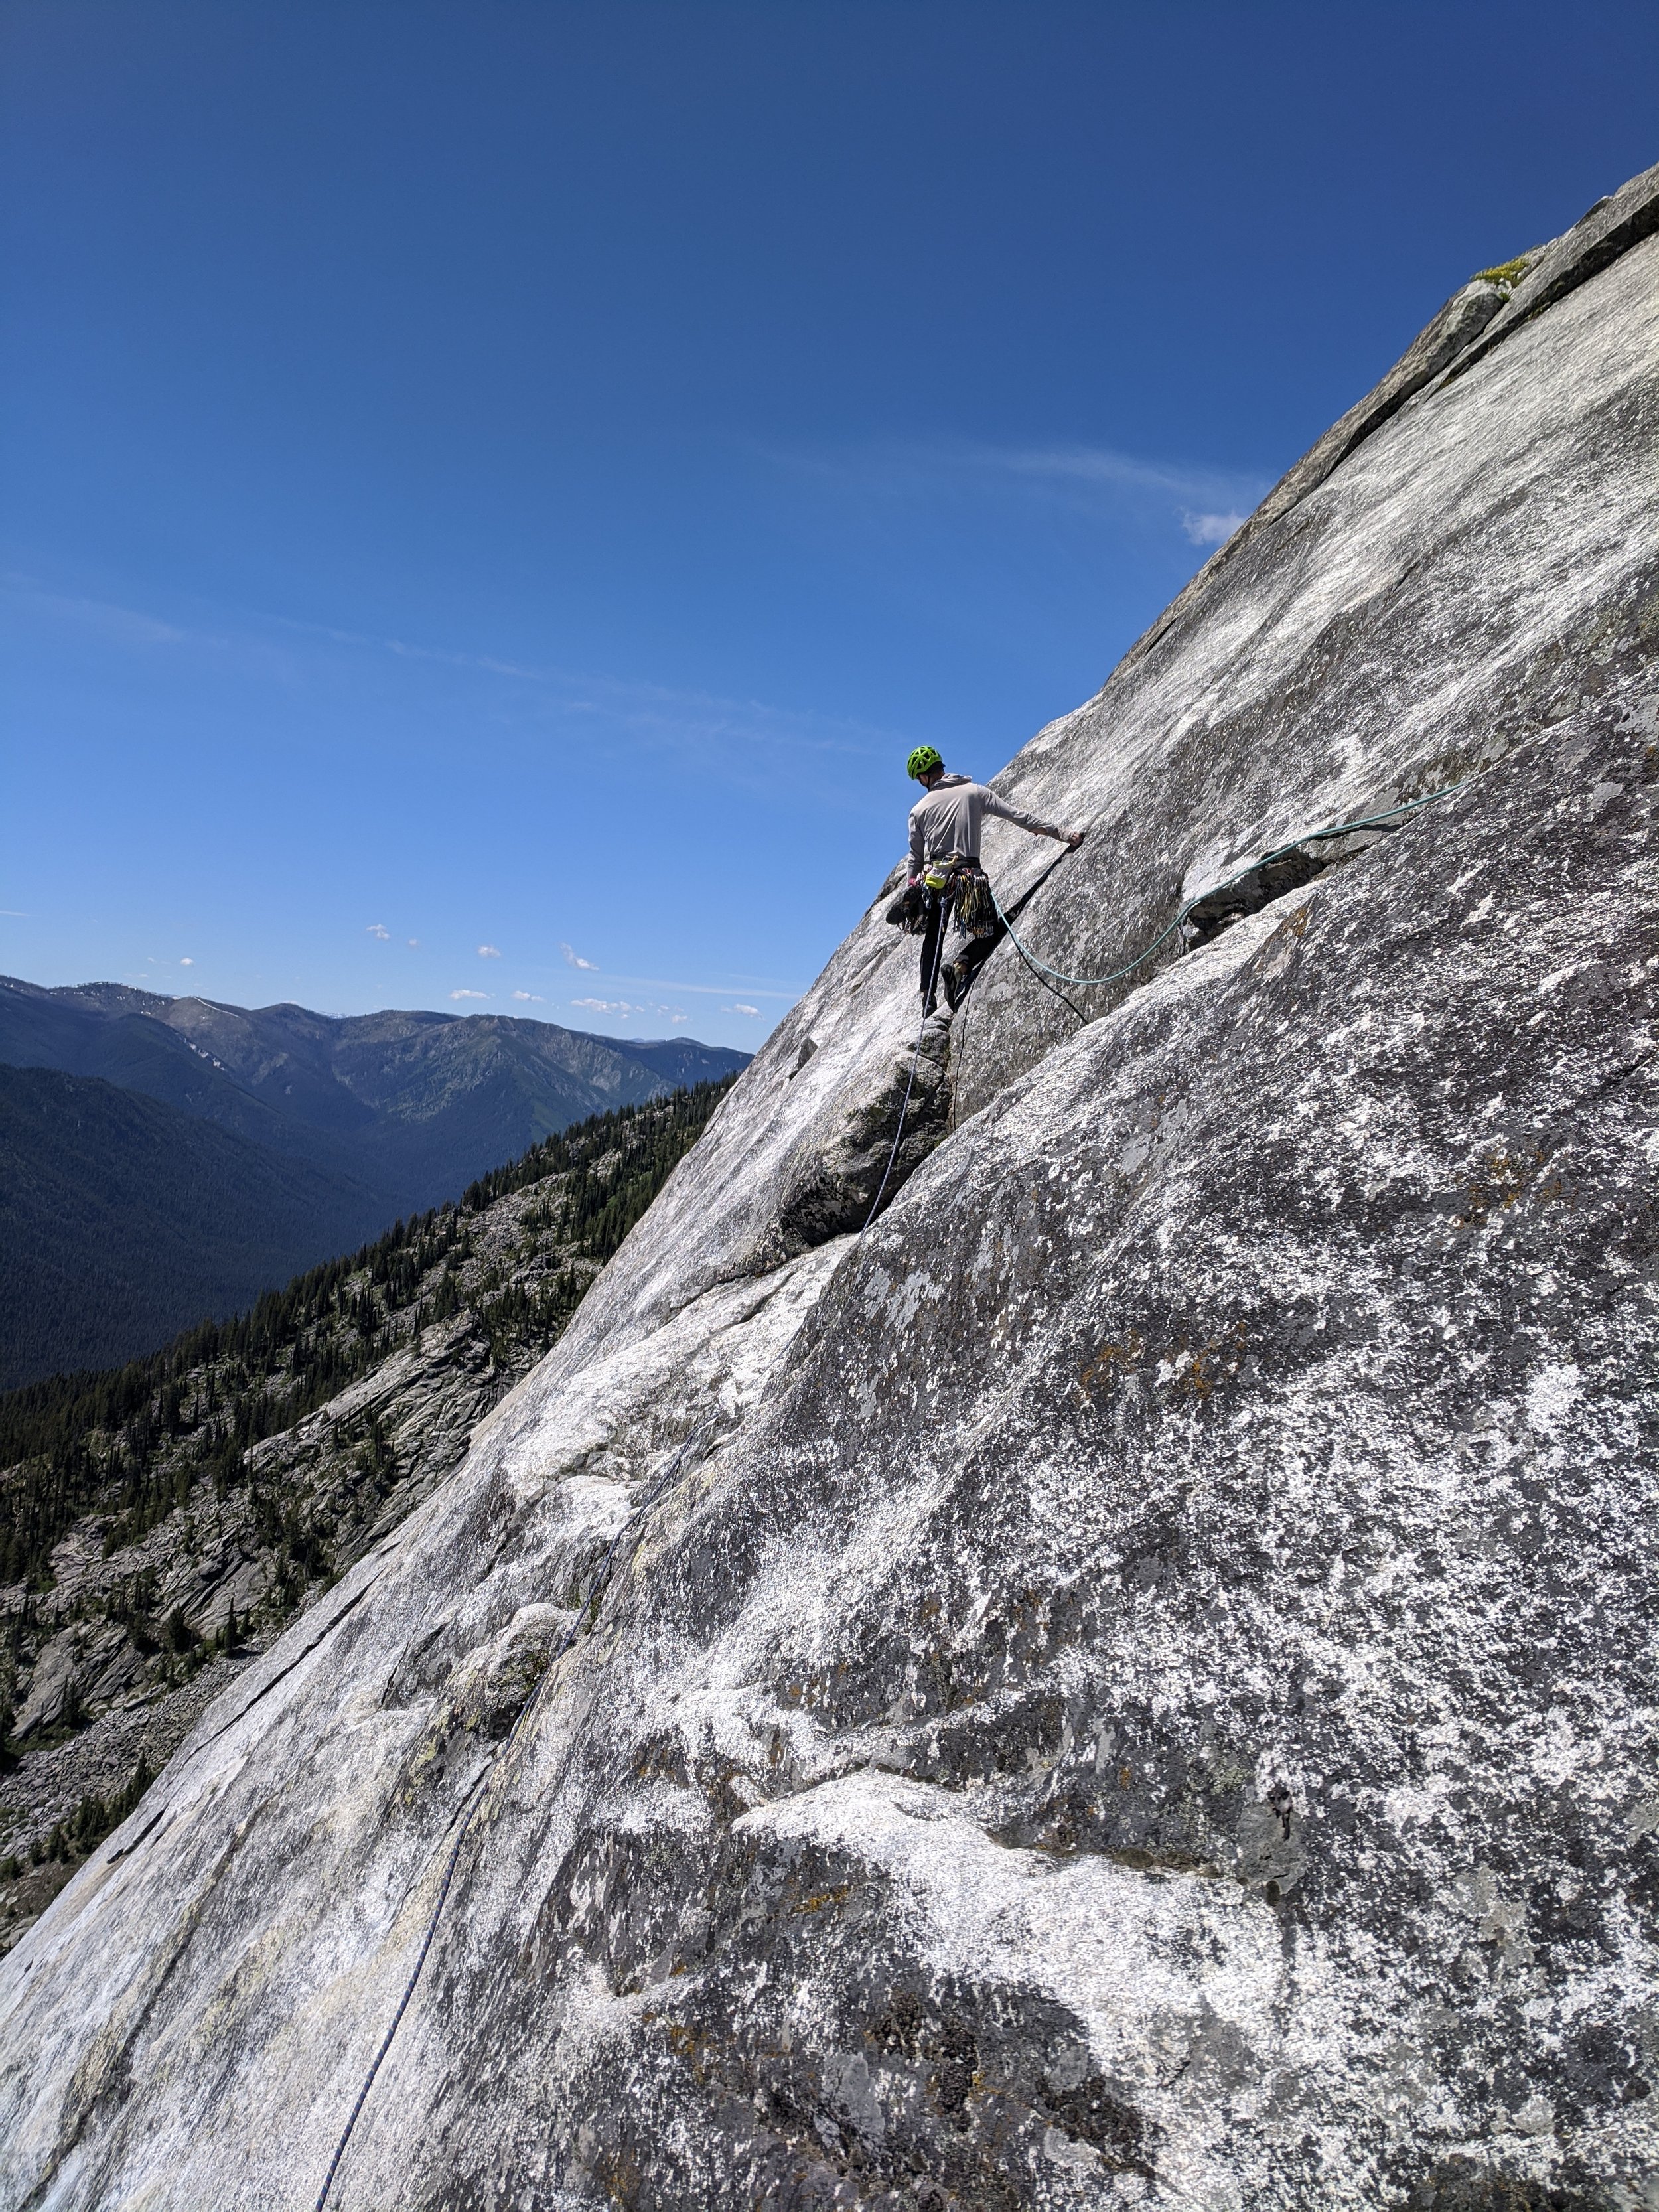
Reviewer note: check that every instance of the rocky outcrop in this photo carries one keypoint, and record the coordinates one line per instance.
(1138, 1690)
(1548, 274)
(163, 1523)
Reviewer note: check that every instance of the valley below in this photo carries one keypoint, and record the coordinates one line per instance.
(174, 1518)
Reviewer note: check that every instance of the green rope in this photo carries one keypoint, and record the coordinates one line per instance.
(1341, 830)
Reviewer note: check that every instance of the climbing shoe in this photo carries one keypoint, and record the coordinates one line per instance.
(951, 977)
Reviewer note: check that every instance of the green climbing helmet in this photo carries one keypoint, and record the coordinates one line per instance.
(924, 758)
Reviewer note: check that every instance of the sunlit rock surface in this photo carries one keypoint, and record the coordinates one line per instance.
(1141, 1689)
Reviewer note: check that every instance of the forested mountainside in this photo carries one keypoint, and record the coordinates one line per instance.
(160, 1524)
(162, 1161)
(123, 1220)
(414, 1104)
(1129, 1682)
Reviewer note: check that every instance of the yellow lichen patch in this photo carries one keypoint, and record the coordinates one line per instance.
(1198, 1368)
(1506, 275)
(1110, 1363)
(1502, 1180)
(816, 1899)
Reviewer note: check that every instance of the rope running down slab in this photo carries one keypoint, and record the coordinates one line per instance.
(1042, 971)
(915, 1062)
(1341, 830)
(474, 1799)
(1041, 968)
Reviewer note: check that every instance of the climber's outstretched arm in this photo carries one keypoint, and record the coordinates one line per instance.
(1024, 821)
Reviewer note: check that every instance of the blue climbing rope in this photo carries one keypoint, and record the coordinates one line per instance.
(474, 1799)
(1041, 968)
(1341, 830)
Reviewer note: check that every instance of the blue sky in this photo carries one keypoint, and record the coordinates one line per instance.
(493, 491)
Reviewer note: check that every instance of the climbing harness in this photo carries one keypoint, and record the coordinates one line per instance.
(474, 1797)
(955, 881)
(1040, 968)
(1341, 830)
(962, 883)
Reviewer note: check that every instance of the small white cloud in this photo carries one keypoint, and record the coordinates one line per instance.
(413, 944)
(188, 961)
(489, 952)
(607, 1006)
(530, 997)
(576, 961)
(679, 1018)
(740, 1009)
(1209, 529)
(469, 994)
(379, 929)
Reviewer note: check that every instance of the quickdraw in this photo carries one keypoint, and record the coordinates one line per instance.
(963, 882)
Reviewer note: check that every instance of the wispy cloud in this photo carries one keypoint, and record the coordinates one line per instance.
(489, 952)
(469, 994)
(1096, 479)
(379, 929)
(786, 991)
(739, 738)
(186, 962)
(625, 1006)
(119, 625)
(530, 997)
(740, 1009)
(1209, 529)
(413, 944)
(1086, 464)
(574, 960)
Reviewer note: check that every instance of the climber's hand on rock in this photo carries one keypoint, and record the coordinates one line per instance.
(1073, 838)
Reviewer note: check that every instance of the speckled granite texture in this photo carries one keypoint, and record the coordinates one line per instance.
(1143, 1693)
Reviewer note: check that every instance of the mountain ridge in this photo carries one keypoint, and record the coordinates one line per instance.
(161, 1523)
(415, 1101)
(377, 1116)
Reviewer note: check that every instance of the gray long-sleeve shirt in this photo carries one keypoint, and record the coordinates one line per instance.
(947, 820)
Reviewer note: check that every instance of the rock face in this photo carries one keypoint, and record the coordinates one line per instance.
(160, 1527)
(1139, 1690)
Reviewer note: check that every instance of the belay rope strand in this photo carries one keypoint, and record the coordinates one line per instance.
(1341, 830)
(915, 1061)
(475, 1798)
(1041, 970)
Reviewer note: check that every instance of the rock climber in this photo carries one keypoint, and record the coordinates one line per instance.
(946, 876)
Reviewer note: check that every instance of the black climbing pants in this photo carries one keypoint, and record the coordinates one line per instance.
(970, 957)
